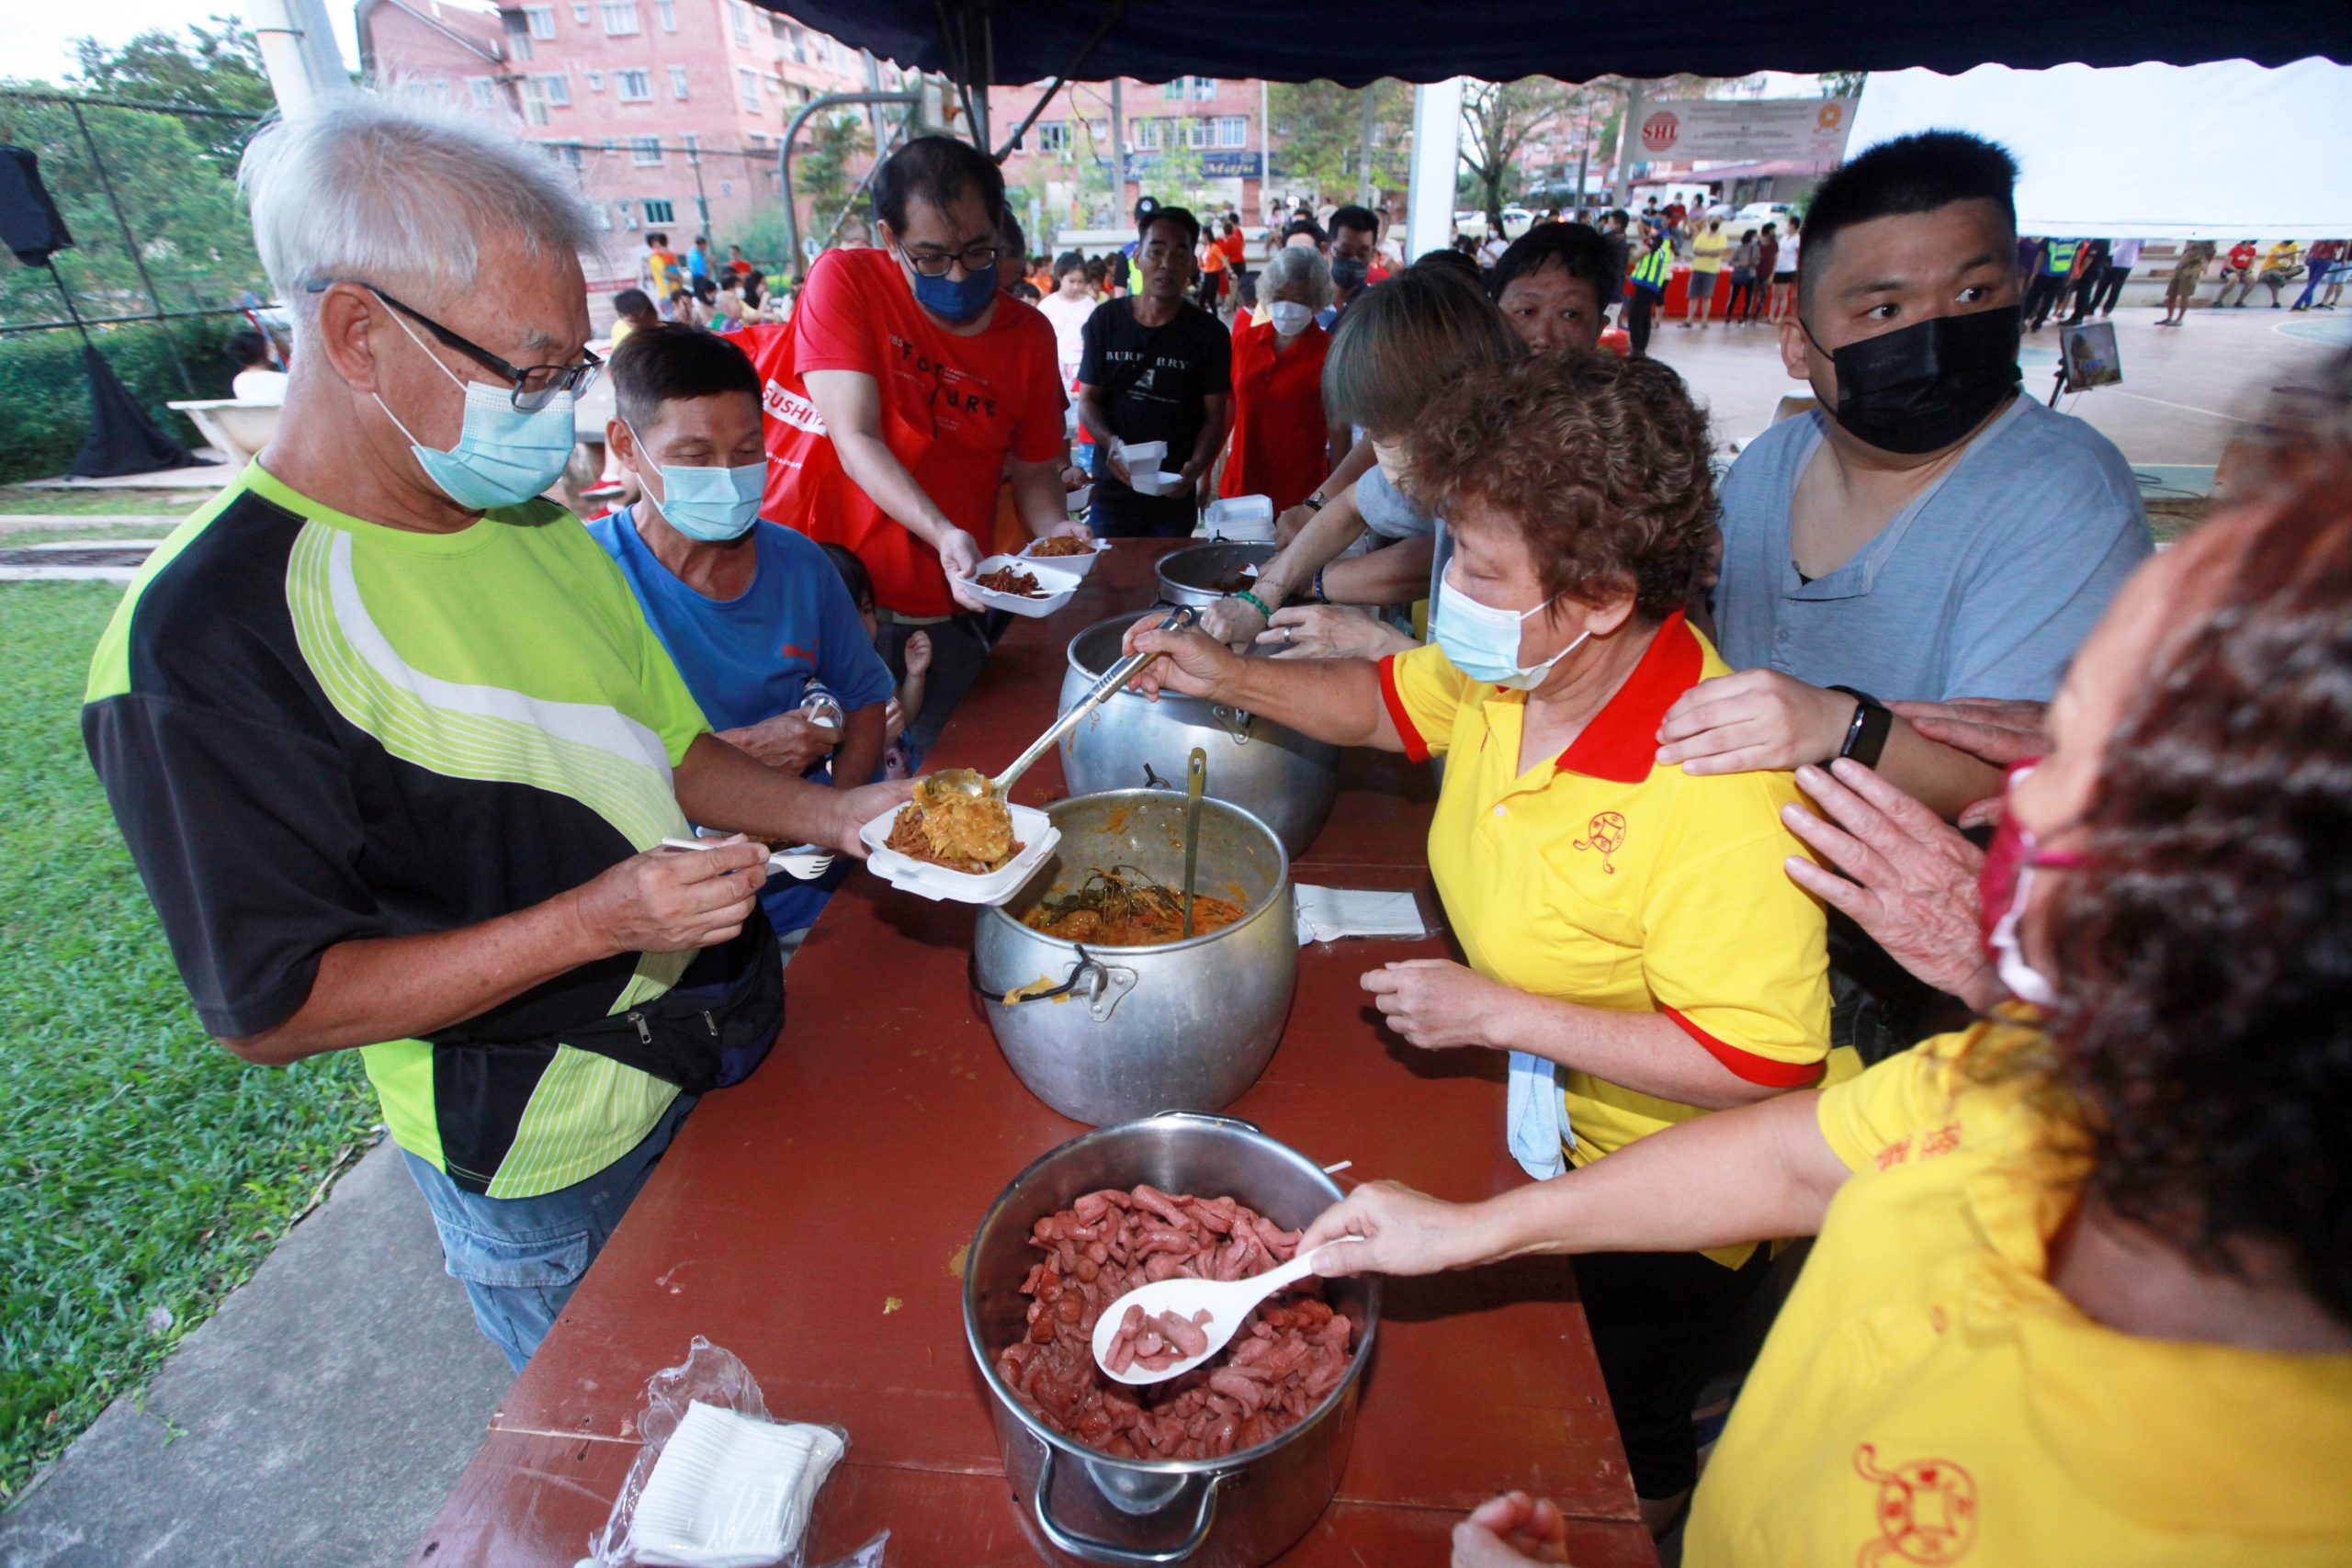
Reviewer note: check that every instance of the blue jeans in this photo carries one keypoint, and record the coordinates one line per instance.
(519, 1259)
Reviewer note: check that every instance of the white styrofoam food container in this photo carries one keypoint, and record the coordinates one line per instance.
(1249, 517)
(1058, 584)
(1077, 566)
(1032, 828)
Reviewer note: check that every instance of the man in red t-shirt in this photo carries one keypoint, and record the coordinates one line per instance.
(2238, 268)
(930, 385)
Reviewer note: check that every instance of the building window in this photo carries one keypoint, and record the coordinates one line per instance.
(658, 211)
(667, 10)
(800, 92)
(1200, 133)
(1233, 130)
(741, 16)
(1053, 136)
(573, 161)
(636, 86)
(645, 151)
(1173, 87)
(541, 18)
(620, 17)
(677, 81)
(595, 81)
(518, 34)
(748, 80)
(535, 101)
(1204, 87)
(556, 90)
(694, 146)
(1150, 135)
(484, 90)
(580, 14)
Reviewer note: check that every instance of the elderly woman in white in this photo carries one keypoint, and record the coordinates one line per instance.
(395, 751)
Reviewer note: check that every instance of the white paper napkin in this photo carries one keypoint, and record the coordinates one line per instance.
(1327, 913)
(732, 1492)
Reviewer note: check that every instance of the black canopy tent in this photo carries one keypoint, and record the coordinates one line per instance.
(1007, 42)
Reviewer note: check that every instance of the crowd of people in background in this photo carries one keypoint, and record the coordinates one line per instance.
(1715, 737)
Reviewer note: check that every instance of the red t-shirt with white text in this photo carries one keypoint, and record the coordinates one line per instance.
(954, 408)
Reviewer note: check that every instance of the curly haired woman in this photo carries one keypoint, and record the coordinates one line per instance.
(2082, 1291)
(1632, 942)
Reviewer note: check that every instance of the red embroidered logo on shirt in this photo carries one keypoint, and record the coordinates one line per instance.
(1894, 1154)
(1606, 832)
(1926, 1511)
(1941, 1141)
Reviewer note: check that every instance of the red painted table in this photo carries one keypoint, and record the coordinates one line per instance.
(813, 1220)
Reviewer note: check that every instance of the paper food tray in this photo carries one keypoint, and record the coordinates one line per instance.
(1032, 828)
(1057, 584)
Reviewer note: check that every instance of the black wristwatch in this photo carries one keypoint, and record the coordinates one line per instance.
(1866, 736)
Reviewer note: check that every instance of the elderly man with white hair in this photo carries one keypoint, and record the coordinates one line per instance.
(395, 751)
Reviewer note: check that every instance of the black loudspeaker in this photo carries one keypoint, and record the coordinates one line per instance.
(28, 221)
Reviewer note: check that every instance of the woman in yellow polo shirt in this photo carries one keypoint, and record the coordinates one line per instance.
(2082, 1292)
(1632, 942)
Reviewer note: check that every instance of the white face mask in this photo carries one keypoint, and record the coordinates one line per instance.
(1289, 318)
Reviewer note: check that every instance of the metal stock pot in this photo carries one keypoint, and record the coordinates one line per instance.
(1274, 773)
(1085, 1507)
(1127, 1030)
(1191, 576)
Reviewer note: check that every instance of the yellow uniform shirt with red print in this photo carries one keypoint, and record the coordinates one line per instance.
(1599, 877)
(1926, 1396)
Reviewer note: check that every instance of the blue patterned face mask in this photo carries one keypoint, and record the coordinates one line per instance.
(505, 456)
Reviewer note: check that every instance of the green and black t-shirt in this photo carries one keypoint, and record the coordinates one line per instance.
(315, 729)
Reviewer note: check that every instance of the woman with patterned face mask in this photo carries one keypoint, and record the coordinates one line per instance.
(1634, 944)
(2083, 1295)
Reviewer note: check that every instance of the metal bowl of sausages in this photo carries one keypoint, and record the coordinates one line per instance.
(1203, 574)
(1233, 1506)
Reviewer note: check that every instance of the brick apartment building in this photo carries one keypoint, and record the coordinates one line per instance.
(1066, 160)
(667, 108)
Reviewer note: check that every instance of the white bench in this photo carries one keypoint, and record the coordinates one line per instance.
(239, 429)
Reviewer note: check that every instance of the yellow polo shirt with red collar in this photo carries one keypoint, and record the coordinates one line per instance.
(1927, 1395)
(1600, 878)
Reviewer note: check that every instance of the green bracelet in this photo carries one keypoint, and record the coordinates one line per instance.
(1255, 602)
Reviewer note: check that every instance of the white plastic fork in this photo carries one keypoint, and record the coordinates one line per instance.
(805, 861)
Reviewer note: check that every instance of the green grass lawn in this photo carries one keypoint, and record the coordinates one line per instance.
(16, 498)
(143, 1170)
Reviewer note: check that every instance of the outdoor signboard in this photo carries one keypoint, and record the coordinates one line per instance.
(1684, 130)
(1219, 163)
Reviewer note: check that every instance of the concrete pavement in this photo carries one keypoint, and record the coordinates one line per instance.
(316, 1421)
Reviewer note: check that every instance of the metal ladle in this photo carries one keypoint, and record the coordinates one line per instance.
(979, 786)
(1197, 776)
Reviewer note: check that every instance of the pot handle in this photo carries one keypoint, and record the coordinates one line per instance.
(1235, 722)
(1212, 1118)
(1066, 1540)
(1104, 986)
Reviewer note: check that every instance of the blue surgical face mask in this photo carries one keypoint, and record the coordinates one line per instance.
(955, 301)
(1483, 642)
(710, 504)
(505, 456)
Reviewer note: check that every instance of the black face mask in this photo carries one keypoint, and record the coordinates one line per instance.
(1350, 273)
(1921, 387)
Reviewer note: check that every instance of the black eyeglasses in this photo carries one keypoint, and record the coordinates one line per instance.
(535, 385)
(979, 259)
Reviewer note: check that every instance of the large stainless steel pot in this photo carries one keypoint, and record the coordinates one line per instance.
(1273, 772)
(1191, 576)
(1189, 1025)
(1086, 1507)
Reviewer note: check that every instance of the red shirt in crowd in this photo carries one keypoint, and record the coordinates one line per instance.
(1233, 245)
(953, 409)
(1280, 440)
(2242, 256)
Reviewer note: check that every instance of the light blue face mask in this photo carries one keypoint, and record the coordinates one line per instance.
(710, 504)
(1483, 642)
(505, 456)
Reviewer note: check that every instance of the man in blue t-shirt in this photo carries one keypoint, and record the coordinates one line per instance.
(753, 614)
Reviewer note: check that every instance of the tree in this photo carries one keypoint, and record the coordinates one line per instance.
(1499, 120)
(1321, 127)
(1842, 84)
(837, 141)
(218, 67)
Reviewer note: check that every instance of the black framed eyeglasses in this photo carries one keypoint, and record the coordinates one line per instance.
(535, 386)
(979, 259)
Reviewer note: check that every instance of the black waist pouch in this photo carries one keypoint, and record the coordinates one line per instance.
(700, 1034)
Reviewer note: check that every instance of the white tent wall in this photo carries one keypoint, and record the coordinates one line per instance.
(2227, 151)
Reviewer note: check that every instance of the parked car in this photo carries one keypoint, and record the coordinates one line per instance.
(1760, 212)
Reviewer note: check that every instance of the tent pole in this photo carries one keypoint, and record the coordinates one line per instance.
(130, 245)
(1437, 153)
(1118, 156)
(784, 159)
(1621, 189)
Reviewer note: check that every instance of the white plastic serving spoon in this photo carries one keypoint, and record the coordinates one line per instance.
(806, 862)
(1226, 1302)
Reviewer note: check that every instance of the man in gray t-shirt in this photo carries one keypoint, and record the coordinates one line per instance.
(1980, 587)
(1934, 533)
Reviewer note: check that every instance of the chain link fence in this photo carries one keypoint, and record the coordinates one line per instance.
(161, 270)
